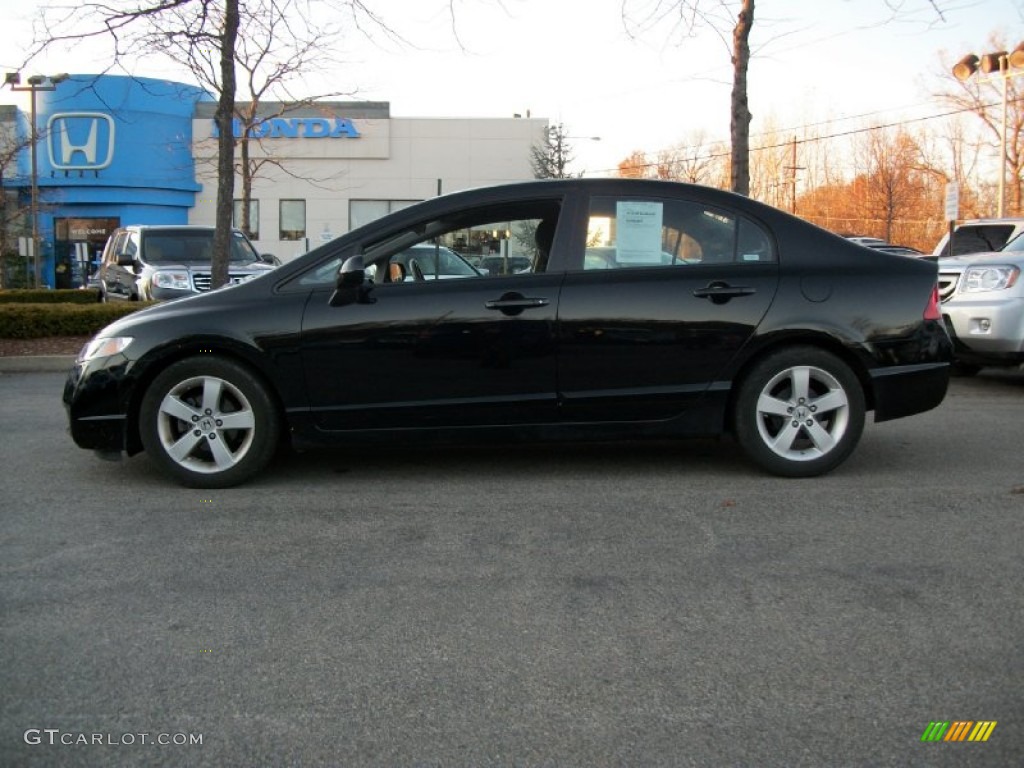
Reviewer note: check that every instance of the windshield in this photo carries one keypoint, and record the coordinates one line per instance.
(1016, 245)
(186, 247)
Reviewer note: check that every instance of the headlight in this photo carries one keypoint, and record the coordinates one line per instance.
(104, 347)
(177, 280)
(989, 278)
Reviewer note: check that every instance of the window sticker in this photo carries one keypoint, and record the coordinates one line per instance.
(638, 233)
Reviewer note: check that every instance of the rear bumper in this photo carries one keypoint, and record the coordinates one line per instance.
(908, 389)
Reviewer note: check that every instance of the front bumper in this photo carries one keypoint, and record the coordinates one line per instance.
(169, 294)
(989, 330)
(95, 402)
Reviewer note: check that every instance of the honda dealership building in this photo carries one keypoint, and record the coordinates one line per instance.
(114, 150)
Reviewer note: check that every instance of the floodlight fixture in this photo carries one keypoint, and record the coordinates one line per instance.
(966, 67)
(997, 64)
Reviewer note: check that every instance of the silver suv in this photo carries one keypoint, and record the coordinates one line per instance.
(167, 262)
(982, 298)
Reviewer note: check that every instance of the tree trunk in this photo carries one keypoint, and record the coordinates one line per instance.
(740, 121)
(245, 224)
(225, 147)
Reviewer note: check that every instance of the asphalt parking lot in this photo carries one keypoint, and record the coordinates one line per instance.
(626, 604)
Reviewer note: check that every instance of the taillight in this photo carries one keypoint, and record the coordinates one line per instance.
(932, 312)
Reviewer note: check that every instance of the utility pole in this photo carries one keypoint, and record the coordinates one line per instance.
(793, 168)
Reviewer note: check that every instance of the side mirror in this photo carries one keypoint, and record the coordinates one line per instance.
(125, 259)
(269, 258)
(351, 286)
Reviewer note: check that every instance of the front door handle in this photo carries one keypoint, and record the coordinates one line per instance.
(514, 303)
(720, 293)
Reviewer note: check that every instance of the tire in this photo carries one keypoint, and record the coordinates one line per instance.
(208, 422)
(799, 412)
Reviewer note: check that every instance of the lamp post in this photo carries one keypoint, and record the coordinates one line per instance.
(998, 65)
(36, 83)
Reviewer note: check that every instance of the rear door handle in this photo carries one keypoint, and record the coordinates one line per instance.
(719, 293)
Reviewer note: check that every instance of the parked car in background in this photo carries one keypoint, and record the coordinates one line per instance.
(429, 262)
(982, 298)
(902, 250)
(782, 334)
(505, 265)
(142, 263)
(882, 245)
(979, 236)
(867, 242)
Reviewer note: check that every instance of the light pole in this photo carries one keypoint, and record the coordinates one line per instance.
(998, 65)
(36, 83)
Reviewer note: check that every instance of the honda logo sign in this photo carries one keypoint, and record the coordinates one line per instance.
(80, 141)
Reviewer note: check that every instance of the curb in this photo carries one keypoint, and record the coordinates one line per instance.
(36, 363)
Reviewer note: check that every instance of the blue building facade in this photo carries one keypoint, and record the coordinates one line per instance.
(112, 150)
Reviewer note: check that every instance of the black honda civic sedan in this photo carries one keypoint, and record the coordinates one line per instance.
(647, 309)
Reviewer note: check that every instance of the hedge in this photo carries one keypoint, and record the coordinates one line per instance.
(35, 321)
(61, 296)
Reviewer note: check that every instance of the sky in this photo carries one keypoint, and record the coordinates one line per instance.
(635, 85)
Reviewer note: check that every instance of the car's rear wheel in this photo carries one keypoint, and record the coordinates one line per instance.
(799, 412)
(209, 422)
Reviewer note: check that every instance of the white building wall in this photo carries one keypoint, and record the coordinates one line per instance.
(392, 159)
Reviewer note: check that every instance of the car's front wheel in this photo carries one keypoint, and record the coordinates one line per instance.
(209, 422)
(799, 412)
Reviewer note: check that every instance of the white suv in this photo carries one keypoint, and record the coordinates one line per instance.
(983, 305)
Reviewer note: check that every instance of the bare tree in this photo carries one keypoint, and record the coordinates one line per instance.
(696, 160)
(951, 156)
(894, 195)
(892, 182)
(637, 166)
(12, 214)
(773, 168)
(739, 116)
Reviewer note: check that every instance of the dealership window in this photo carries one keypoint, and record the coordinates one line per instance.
(253, 230)
(293, 219)
(629, 232)
(364, 211)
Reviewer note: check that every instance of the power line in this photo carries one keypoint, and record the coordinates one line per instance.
(827, 137)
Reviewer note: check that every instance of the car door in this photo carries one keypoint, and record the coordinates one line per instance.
(668, 292)
(111, 273)
(412, 353)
